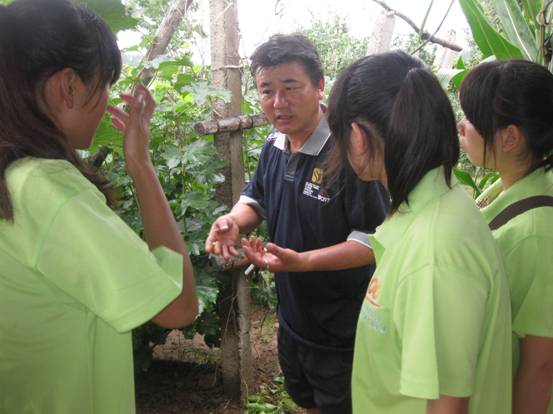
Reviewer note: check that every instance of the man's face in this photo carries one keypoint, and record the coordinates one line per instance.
(289, 99)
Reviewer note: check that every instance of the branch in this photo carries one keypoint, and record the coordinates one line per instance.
(230, 124)
(163, 36)
(424, 35)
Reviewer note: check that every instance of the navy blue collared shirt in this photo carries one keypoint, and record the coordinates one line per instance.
(319, 308)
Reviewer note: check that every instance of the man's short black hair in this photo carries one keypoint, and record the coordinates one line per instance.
(286, 48)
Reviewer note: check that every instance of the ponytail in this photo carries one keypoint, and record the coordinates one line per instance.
(400, 104)
(421, 134)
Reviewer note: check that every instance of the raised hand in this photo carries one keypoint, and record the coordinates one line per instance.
(135, 126)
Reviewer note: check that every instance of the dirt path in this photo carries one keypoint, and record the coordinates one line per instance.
(184, 377)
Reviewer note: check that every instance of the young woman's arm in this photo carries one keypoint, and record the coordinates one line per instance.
(160, 227)
(448, 405)
(534, 377)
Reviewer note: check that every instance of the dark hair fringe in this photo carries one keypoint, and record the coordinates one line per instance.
(285, 48)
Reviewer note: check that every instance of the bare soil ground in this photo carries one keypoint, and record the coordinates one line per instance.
(185, 377)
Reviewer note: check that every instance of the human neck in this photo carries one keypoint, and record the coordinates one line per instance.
(514, 171)
(298, 140)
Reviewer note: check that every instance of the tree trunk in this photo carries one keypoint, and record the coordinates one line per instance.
(448, 57)
(234, 299)
(381, 39)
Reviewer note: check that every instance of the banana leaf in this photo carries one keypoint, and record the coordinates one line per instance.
(516, 27)
(487, 39)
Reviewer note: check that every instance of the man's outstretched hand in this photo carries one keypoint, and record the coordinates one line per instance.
(223, 237)
(272, 257)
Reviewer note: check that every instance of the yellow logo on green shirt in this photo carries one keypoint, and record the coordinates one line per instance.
(373, 291)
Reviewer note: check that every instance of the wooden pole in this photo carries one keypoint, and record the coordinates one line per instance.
(380, 40)
(234, 297)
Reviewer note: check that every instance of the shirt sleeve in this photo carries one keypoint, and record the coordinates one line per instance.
(253, 194)
(439, 315)
(366, 204)
(529, 265)
(94, 257)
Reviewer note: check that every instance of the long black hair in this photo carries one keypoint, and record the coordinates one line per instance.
(497, 94)
(37, 39)
(402, 107)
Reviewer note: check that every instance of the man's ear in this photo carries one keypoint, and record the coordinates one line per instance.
(321, 87)
(512, 139)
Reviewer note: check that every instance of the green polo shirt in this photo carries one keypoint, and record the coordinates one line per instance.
(435, 320)
(526, 242)
(74, 281)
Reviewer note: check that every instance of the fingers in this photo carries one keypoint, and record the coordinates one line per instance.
(225, 251)
(149, 102)
(221, 240)
(256, 244)
(233, 251)
(221, 225)
(254, 257)
(209, 244)
(119, 118)
(119, 125)
(141, 105)
(118, 113)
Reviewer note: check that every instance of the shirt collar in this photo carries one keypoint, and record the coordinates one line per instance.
(494, 200)
(429, 188)
(314, 144)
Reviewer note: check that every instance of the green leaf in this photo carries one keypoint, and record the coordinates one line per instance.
(531, 9)
(106, 134)
(466, 179)
(206, 296)
(460, 63)
(445, 76)
(457, 79)
(516, 27)
(491, 177)
(198, 200)
(113, 12)
(488, 40)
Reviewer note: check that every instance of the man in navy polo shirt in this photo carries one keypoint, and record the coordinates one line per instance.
(320, 248)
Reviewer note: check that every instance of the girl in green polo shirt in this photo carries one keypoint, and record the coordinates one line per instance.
(74, 279)
(508, 126)
(433, 334)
